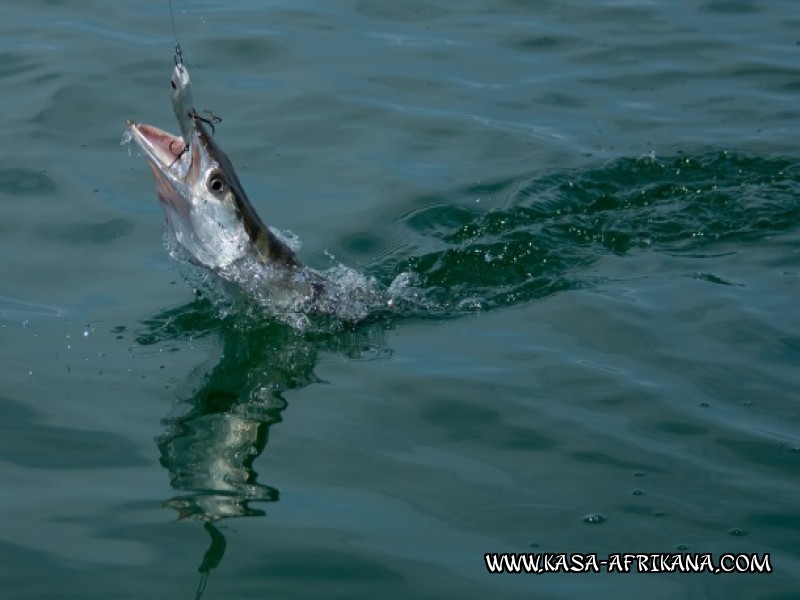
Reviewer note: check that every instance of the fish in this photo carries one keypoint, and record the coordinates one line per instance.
(203, 199)
(212, 226)
(207, 208)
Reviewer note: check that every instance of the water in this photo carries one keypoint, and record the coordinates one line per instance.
(597, 205)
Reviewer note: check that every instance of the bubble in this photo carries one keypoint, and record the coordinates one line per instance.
(594, 519)
(737, 532)
(471, 304)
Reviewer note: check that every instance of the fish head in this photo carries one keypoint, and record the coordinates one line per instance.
(202, 197)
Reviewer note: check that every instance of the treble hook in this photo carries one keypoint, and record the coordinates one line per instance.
(210, 121)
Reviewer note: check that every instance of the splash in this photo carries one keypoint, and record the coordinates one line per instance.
(126, 140)
(251, 290)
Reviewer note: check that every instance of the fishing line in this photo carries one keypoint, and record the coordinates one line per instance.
(212, 119)
(178, 53)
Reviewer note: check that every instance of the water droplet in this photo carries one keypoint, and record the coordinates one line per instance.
(533, 544)
(637, 493)
(681, 547)
(639, 474)
(594, 519)
(737, 532)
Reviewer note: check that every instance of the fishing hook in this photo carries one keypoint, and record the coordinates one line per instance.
(179, 155)
(210, 121)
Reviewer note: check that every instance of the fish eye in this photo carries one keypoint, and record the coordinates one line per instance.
(216, 183)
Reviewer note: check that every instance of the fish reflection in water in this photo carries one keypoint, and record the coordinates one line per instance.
(221, 423)
(210, 453)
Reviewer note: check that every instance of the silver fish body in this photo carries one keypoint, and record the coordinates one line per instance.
(204, 202)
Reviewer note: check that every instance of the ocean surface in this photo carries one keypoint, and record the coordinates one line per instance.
(598, 204)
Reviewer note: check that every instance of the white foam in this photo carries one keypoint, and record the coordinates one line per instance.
(302, 298)
(287, 237)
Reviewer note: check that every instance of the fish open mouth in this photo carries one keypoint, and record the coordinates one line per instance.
(161, 149)
(163, 152)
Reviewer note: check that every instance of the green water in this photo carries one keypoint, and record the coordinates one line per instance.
(598, 204)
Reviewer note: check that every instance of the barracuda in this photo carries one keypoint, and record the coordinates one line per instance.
(204, 201)
(215, 227)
